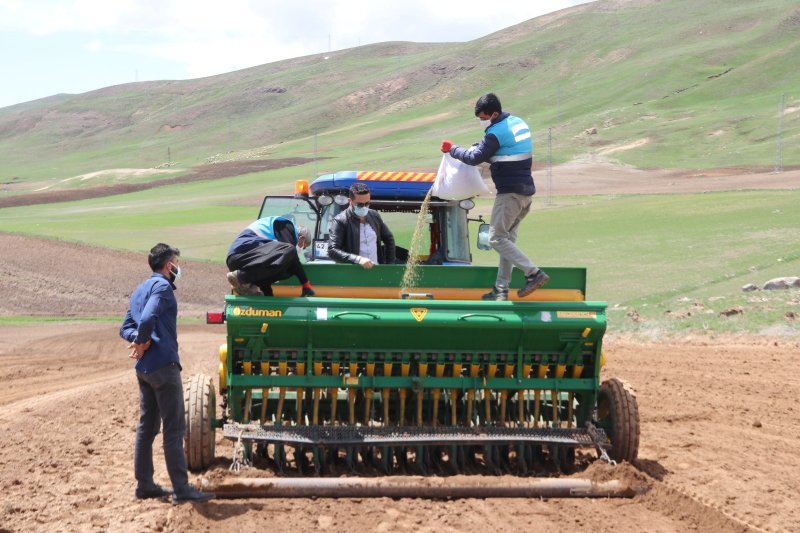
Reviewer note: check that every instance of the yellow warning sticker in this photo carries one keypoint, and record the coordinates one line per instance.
(419, 313)
(576, 314)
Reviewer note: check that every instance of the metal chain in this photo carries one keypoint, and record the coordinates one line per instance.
(601, 451)
(604, 456)
(239, 458)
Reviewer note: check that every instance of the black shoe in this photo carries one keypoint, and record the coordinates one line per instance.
(307, 291)
(191, 494)
(500, 295)
(156, 491)
(533, 282)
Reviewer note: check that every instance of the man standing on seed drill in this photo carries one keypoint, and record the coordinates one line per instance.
(507, 145)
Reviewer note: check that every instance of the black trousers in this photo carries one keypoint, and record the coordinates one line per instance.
(161, 403)
(270, 262)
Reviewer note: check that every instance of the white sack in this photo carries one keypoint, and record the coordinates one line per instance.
(457, 180)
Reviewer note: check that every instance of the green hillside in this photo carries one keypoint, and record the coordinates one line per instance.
(688, 84)
(672, 83)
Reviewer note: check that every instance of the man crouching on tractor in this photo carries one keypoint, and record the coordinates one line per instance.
(265, 252)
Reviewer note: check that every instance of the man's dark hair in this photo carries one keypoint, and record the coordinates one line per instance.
(358, 188)
(488, 103)
(160, 255)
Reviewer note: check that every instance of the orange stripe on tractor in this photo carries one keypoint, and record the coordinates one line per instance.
(395, 176)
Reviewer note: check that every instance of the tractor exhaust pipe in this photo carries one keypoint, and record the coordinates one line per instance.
(417, 487)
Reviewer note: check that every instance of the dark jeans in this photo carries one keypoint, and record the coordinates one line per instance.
(161, 400)
(270, 262)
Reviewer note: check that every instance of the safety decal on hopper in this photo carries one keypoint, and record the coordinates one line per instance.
(419, 313)
(576, 314)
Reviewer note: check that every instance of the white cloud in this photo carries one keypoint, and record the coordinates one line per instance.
(202, 38)
(95, 45)
(181, 29)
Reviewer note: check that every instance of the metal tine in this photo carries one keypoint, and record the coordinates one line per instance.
(333, 392)
(300, 370)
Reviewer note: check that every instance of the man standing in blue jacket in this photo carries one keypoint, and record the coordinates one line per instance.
(508, 147)
(150, 326)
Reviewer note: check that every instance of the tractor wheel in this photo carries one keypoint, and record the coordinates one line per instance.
(618, 415)
(200, 402)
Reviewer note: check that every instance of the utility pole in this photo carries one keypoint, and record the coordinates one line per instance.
(316, 170)
(549, 165)
(779, 139)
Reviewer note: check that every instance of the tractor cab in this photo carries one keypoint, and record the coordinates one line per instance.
(399, 197)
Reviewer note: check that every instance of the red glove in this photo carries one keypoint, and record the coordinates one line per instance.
(446, 146)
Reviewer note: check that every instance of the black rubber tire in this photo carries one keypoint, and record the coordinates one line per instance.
(200, 402)
(618, 414)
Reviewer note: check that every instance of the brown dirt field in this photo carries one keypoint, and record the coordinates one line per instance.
(718, 446)
(717, 450)
(598, 176)
(198, 173)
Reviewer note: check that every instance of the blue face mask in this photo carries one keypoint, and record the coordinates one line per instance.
(361, 211)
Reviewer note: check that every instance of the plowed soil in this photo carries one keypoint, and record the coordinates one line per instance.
(718, 419)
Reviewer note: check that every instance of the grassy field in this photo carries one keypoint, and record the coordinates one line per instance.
(701, 92)
(675, 261)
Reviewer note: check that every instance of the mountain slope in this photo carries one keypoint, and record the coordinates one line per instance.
(672, 83)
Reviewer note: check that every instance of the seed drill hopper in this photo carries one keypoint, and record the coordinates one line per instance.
(369, 376)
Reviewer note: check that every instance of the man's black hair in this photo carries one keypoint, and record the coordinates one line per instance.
(160, 255)
(488, 103)
(358, 188)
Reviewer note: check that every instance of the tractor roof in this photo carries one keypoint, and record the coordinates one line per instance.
(382, 185)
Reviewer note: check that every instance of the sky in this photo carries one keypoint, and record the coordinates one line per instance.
(50, 47)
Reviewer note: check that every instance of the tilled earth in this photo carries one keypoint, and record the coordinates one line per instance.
(718, 446)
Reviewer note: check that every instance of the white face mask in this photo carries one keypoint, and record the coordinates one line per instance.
(485, 123)
(176, 273)
(301, 246)
(361, 211)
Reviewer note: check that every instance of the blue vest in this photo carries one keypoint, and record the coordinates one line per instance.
(515, 140)
(512, 163)
(257, 233)
(265, 227)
